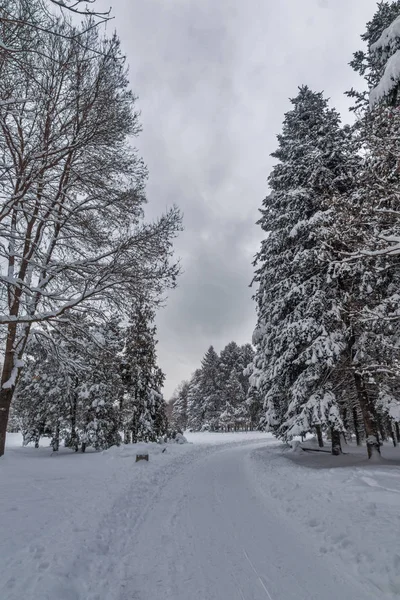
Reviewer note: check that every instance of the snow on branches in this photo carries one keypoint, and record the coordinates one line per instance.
(72, 188)
(328, 269)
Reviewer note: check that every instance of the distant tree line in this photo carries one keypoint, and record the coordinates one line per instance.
(218, 397)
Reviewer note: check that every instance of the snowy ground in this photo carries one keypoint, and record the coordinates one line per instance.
(213, 438)
(229, 516)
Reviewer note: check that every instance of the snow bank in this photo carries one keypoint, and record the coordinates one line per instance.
(14, 440)
(217, 437)
(346, 506)
(179, 439)
(56, 510)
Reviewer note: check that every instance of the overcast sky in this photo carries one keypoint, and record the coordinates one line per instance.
(213, 79)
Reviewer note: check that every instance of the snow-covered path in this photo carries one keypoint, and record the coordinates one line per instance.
(229, 517)
(211, 534)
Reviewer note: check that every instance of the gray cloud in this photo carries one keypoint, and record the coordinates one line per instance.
(213, 80)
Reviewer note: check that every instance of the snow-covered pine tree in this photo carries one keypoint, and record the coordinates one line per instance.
(230, 360)
(70, 388)
(372, 230)
(210, 389)
(39, 408)
(234, 396)
(227, 417)
(100, 390)
(45, 397)
(216, 393)
(234, 384)
(179, 417)
(300, 335)
(254, 404)
(195, 404)
(168, 409)
(142, 406)
(378, 64)
(254, 400)
(246, 358)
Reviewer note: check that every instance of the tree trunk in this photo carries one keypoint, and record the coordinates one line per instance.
(356, 426)
(369, 417)
(319, 436)
(396, 425)
(345, 419)
(5, 403)
(133, 436)
(336, 445)
(381, 428)
(74, 436)
(56, 439)
(393, 436)
(6, 395)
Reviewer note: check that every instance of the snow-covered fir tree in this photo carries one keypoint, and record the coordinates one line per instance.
(230, 360)
(179, 417)
(143, 412)
(300, 336)
(210, 388)
(69, 389)
(84, 383)
(102, 388)
(379, 64)
(254, 401)
(217, 392)
(246, 359)
(195, 408)
(234, 397)
(372, 228)
(39, 406)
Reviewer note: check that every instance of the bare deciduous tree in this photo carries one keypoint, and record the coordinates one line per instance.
(41, 15)
(71, 190)
(22, 22)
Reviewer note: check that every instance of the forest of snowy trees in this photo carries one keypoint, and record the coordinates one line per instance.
(218, 397)
(83, 272)
(328, 271)
(92, 384)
